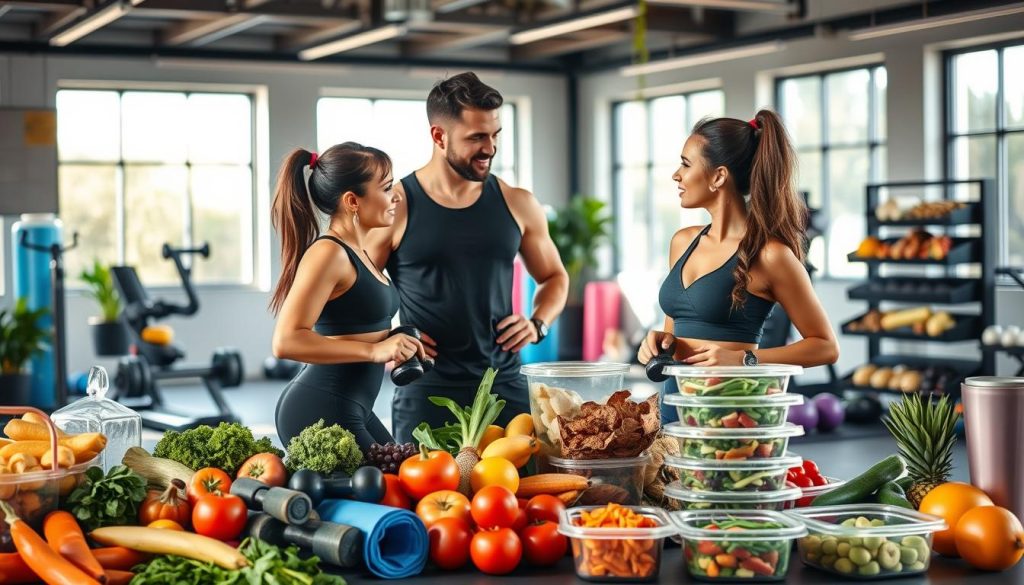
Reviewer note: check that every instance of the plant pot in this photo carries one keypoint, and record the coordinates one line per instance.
(570, 333)
(15, 389)
(109, 338)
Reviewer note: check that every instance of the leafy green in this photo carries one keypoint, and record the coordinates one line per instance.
(270, 565)
(444, 438)
(473, 420)
(101, 288)
(107, 501)
(324, 449)
(21, 336)
(225, 447)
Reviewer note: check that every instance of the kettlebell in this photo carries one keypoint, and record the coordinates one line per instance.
(411, 369)
(655, 368)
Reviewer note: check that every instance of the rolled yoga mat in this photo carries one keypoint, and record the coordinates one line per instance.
(396, 544)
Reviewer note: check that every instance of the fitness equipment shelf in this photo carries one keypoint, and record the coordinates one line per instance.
(136, 382)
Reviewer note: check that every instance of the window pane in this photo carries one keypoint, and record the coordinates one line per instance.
(222, 215)
(667, 217)
(88, 125)
(848, 173)
(976, 77)
(848, 106)
(705, 104)
(219, 128)
(801, 109)
(881, 84)
(401, 130)
(816, 254)
(1013, 86)
(342, 119)
(155, 126)
(809, 177)
(88, 205)
(631, 133)
(668, 133)
(974, 157)
(1015, 199)
(154, 201)
(631, 187)
(505, 161)
(880, 171)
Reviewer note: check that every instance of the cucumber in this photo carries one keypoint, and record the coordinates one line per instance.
(905, 483)
(860, 488)
(892, 495)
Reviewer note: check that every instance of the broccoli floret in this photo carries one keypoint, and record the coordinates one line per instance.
(186, 447)
(225, 447)
(324, 449)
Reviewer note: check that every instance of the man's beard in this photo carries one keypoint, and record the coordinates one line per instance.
(466, 169)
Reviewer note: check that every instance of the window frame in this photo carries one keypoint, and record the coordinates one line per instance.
(254, 282)
(873, 144)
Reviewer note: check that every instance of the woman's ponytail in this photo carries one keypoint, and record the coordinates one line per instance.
(294, 219)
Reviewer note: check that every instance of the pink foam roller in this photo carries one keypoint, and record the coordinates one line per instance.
(601, 301)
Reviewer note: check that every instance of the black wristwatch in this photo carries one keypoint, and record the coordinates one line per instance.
(749, 359)
(542, 329)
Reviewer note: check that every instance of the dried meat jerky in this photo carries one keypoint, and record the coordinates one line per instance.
(617, 429)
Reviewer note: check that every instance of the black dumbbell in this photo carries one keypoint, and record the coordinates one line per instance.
(365, 485)
(655, 368)
(337, 544)
(287, 505)
(411, 369)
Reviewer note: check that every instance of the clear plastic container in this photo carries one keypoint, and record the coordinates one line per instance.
(867, 541)
(96, 413)
(690, 499)
(733, 380)
(756, 551)
(732, 444)
(809, 493)
(723, 475)
(611, 480)
(617, 554)
(732, 412)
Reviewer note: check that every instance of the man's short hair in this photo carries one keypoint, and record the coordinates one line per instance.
(451, 96)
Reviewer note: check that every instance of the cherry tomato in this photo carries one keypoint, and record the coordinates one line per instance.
(208, 480)
(544, 507)
(817, 479)
(496, 552)
(494, 507)
(443, 504)
(394, 495)
(449, 543)
(220, 517)
(810, 467)
(428, 472)
(803, 481)
(543, 546)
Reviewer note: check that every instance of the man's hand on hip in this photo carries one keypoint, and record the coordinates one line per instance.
(516, 331)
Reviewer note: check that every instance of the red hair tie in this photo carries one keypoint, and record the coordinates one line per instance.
(753, 124)
(312, 160)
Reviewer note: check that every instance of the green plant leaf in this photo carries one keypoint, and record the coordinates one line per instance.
(578, 231)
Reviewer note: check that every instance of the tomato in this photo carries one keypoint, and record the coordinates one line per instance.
(209, 480)
(166, 525)
(265, 467)
(443, 504)
(817, 479)
(545, 507)
(803, 481)
(496, 552)
(394, 495)
(449, 543)
(166, 505)
(810, 467)
(494, 471)
(220, 517)
(543, 546)
(521, 521)
(494, 507)
(428, 472)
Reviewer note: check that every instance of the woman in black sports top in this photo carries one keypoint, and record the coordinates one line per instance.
(334, 306)
(726, 277)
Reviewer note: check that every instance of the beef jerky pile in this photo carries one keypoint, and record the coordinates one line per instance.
(616, 429)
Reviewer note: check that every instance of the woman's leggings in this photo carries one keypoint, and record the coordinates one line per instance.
(341, 394)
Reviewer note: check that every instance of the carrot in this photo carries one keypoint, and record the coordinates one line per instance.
(14, 571)
(712, 569)
(85, 442)
(624, 557)
(115, 577)
(65, 537)
(41, 420)
(44, 561)
(21, 430)
(118, 558)
(726, 561)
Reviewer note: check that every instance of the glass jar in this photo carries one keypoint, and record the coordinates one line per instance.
(96, 413)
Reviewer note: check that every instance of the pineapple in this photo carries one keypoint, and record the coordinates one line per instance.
(925, 437)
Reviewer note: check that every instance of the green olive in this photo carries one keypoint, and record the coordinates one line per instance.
(869, 569)
(844, 566)
(908, 555)
(860, 556)
(918, 566)
(829, 560)
(811, 557)
(843, 549)
(889, 555)
(862, 522)
(920, 544)
(855, 541)
(877, 522)
(829, 547)
(873, 542)
(849, 522)
(812, 543)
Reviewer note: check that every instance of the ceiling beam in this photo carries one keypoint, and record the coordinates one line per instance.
(684, 20)
(363, 38)
(769, 6)
(315, 35)
(454, 42)
(589, 39)
(197, 33)
(92, 21)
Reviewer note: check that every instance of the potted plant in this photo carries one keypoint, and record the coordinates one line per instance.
(21, 336)
(109, 334)
(578, 230)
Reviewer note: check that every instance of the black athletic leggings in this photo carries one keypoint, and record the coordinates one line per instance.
(341, 394)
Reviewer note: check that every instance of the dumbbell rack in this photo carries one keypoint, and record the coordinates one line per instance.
(978, 248)
(1016, 352)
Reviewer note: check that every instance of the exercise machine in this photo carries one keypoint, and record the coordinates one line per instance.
(138, 375)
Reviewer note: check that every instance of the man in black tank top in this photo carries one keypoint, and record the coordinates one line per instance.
(450, 252)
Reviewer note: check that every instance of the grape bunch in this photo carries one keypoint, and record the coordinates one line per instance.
(389, 456)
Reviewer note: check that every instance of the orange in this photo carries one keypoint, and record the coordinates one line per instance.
(166, 525)
(494, 471)
(950, 501)
(990, 538)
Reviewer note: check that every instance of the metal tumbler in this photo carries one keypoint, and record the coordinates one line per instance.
(994, 421)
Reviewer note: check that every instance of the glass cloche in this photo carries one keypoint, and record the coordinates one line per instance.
(98, 414)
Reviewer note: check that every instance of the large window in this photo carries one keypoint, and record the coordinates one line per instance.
(648, 136)
(985, 132)
(140, 168)
(399, 127)
(838, 125)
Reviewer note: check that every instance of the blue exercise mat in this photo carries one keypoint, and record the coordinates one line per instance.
(395, 543)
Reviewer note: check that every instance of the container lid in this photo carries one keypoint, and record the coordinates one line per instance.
(785, 462)
(1001, 382)
(821, 520)
(688, 522)
(643, 459)
(664, 528)
(765, 400)
(816, 490)
(96, 406)
(759, 371)
(685, 432)
(676, 491)
(574, 369)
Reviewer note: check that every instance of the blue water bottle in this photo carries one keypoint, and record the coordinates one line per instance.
(32, 281)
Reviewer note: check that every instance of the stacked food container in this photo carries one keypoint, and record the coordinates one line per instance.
(589, 425)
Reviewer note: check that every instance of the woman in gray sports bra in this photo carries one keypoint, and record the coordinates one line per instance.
(726, 277)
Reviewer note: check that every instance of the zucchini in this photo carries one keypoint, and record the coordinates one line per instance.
(892, 494)
(860, 488)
